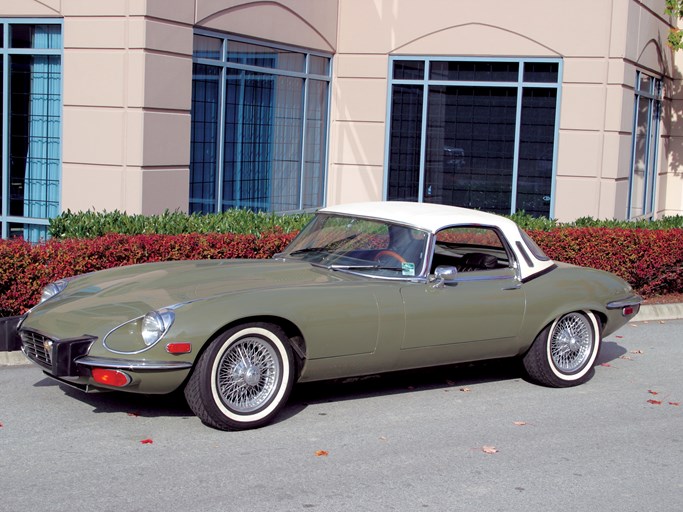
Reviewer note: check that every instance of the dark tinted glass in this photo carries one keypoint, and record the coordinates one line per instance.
(474, 71)
(541, 72)
(409, 70)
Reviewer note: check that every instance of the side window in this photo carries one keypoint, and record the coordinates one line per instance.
(470, 248)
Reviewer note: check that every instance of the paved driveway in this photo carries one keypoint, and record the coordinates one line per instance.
(406, 442)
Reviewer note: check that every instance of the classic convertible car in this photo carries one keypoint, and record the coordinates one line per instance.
(365, 288)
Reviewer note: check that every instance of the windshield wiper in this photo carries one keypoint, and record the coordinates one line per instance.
(305, 250)
(361, 267)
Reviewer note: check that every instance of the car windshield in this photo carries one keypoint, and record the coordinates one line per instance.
(372, 247)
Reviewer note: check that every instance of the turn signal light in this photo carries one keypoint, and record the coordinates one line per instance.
(179, 348)
(114, 378)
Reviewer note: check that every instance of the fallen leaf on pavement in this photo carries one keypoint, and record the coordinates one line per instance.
(465, 390)
(675, 404)
(619, 337)
(489, 449)
(135, 414)
(322, 453)
(147, 441)
(652, 392)
(607, 365)
(636, 351)
(626, 357)
(519, 423)
(654, 402)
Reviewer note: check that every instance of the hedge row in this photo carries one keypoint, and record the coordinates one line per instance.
(92, 224)
(26, 268)
(651, 260)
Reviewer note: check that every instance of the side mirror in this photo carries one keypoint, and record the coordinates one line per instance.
(444, 274)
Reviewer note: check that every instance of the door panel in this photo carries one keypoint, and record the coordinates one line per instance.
(479, 306)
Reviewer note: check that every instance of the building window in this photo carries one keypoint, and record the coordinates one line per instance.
(30, 150)
(474, 133)
(259, 126)
(648, 105)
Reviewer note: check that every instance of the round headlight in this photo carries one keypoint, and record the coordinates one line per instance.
(53, 289)
(155, 324)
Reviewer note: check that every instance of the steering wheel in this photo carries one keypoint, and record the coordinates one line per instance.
(391, 254)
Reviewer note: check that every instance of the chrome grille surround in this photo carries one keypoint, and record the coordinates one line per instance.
(37, 347)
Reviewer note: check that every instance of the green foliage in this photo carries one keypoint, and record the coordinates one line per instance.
(530, 223)
(674, 8)
(92, 224)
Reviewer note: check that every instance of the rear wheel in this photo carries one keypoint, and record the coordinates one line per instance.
(243, 378)
(563, 353)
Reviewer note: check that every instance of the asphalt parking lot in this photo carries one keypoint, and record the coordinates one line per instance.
(468, 437)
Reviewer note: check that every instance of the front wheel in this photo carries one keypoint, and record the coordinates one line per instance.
(564, 352)
(243, 378)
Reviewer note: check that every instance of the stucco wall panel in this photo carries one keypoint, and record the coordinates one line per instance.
(593, 71)
(163, 37)
(619, 104)
(297, 22)
(361, 66)
(474, 39)
(576, 197)
(90, 8)
(168, 81)
(580, 153)
(360, 100)
(164, 189)
(583, 107)
(104, 186)
(30, 8)
(166, 139)
(95, 33)
(613, 199)
(616, 160)
(383, 27)
(181, 11)
(350, 184)
(94, 78)
(93, 136)
(357, 143)
(620, 72)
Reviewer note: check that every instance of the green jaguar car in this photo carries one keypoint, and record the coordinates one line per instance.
(364, 288)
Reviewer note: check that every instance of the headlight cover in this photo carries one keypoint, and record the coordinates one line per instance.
(53, 289)
(155, 324)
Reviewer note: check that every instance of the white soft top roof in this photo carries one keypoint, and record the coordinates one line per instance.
(434, 217)
(427, 216)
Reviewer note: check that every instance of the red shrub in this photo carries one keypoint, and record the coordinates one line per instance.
(651, 260)
(25, 269)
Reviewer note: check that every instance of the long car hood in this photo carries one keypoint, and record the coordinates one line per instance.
(96, 303)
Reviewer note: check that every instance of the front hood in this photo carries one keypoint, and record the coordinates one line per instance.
(96, 303)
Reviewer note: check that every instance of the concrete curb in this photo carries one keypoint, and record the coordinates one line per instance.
(648, 313)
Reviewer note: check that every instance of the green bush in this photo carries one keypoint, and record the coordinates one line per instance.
(92, 224)
(531, 223)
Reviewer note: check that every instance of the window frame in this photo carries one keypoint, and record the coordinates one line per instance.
(223, 65)
(649, 193)
(519, 84)
(5, 53)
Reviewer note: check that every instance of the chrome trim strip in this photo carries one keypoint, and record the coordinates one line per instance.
(132, 365)
(634, 300)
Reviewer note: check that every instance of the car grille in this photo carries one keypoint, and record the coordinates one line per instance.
(37, 347)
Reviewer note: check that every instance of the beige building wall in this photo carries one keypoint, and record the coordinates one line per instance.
(601, 45)
(128, 78)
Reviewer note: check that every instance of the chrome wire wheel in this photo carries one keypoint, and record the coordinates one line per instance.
(571, 342)
(244, 377)
(247, 374)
